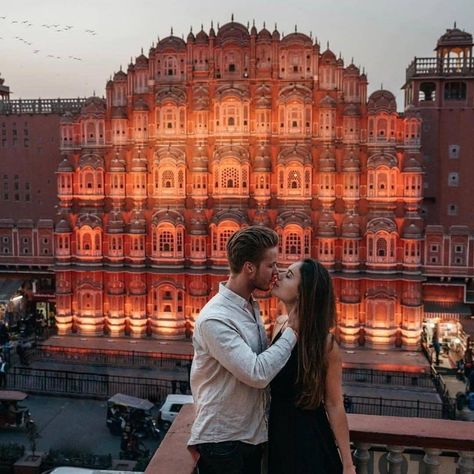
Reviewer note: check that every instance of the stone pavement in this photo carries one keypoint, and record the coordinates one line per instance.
(69, 423)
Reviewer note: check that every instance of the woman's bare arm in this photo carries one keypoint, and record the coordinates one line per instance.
(333, 401)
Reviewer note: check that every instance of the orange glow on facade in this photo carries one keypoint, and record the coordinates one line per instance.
(228, 129)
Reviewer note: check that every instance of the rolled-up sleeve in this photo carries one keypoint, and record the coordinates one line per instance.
(227, 346)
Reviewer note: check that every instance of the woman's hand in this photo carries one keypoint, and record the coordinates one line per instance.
(349, 469)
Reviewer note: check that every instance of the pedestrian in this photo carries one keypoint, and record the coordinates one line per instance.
(3, 372)
(21, 350)
(436, 344)
(468, 358)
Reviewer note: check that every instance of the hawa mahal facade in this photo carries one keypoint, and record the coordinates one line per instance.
(224, 130)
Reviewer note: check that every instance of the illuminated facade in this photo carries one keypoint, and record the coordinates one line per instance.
(225, 130)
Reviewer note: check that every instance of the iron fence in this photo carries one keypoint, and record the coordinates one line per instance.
(90, 385)
(385, 377)
(103, 386)
(107, 357)
(405, 408)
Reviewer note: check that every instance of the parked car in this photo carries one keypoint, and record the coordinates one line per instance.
(171, 408)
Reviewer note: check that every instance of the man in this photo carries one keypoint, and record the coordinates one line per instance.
(232, 365)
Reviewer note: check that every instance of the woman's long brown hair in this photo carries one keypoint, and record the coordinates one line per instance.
(316, 317)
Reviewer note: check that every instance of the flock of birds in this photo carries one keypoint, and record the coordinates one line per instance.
(53, 27)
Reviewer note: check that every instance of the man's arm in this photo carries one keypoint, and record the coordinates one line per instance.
(228, 347)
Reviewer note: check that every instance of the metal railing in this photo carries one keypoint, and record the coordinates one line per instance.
(408, 408)
(90, 385)
(107, 357)
(40, 106)
(384, 377)
(102, 386)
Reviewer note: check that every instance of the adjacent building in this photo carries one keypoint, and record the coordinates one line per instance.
(29, 155)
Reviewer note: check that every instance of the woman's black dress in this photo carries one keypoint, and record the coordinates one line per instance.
(299, 441)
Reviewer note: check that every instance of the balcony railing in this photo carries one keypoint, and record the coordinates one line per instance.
(40, 106)
(381, 445)
(440, 67)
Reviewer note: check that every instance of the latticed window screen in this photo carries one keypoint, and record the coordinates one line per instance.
(179, 244)
(293, 244)
(230, 178)
(166, 241)
(167, 179)
(381, 247)
(306, 244)
(244, 178)
(294, 179)
(224, 236)
(307, 179)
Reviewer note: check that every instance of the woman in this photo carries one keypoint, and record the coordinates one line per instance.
(308, 430)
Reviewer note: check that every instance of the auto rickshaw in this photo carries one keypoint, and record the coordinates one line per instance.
(13, 415)
(125, 410)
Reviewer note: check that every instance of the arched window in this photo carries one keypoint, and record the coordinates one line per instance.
(381, 250)
(167, 179)
(230, 178)
(293, 244)
(169, 118)
(170, 66)
(381, 247)
(90, 132)
(220, 236)
(294, 118)
(294, 179)
(89, 242)
(86, 242)
(166, 243)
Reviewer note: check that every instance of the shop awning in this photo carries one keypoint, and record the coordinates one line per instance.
(446, 310)
(8, 287)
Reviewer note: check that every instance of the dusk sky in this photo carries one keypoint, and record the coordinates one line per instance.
(90, 39)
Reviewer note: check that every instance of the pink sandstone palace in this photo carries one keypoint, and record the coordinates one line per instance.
(235, 127)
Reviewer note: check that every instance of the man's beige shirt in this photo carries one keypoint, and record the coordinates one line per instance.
(231, 370)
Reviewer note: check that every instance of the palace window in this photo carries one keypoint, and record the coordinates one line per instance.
(293, 245)
(90, 181)
(89, 242)
(220, 236)
(427, 92)
(170, 66)
(167, 241)
(327, 120)
(198, 247)
(453, 179)
(294, 179)
(381, 247)
(455, 91)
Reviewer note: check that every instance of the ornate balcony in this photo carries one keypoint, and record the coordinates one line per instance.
(432, 67)
(382, 444)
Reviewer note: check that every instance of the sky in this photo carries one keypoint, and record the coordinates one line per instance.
(70, 48)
